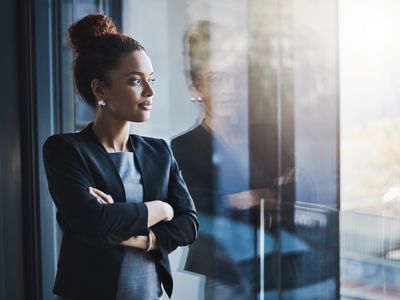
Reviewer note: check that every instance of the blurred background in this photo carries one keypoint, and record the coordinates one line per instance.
(302, 160)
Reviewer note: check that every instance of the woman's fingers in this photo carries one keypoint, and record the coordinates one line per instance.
(99, 199)
(101, 196)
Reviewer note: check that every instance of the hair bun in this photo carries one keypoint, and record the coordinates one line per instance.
(88, 28)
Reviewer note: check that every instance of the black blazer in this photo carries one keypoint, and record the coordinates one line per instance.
(90, 256)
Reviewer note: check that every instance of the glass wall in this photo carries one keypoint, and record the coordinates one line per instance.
(370, 119)
(283, 118)
(247, 95)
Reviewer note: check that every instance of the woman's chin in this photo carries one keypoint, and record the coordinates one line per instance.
(140, 119)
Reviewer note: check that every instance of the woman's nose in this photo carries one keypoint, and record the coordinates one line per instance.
(148, 90)
(227, 85)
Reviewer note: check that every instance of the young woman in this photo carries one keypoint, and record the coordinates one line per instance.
(121, 201)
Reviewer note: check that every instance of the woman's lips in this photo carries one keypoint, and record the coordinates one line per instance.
(145, 105)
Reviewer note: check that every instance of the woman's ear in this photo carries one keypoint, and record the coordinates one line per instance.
(98, 88)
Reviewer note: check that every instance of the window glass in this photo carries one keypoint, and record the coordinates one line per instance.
(246, 93)
(279, 113)
(370, 125)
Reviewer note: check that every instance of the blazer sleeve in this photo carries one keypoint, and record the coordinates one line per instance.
(182, 229)
(91, 222)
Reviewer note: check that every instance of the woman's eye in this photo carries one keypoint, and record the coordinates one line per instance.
(136, 81)
(152, 80)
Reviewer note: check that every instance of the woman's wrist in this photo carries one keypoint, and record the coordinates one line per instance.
(140, 242)
(143, 242)
(149, 242)
(153, 240)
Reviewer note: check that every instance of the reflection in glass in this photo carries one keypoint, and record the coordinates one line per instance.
(214, 162)
(231, 160)
(370, 267)
(263, 74)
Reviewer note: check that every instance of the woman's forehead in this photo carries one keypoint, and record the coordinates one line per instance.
(134, 62)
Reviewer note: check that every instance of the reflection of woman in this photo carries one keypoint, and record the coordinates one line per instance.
(214, 163)
(121, 202)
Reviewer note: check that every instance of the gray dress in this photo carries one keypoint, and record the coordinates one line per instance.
(138, 279)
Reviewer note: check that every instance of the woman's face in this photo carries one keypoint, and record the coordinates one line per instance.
(129, 96)
(217, 88)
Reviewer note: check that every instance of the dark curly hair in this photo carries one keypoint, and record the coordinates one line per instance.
(98, 47)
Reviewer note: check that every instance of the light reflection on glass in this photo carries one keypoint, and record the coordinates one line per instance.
(370, 160)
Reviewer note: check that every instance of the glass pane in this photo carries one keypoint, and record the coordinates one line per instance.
(370, 125)
(247, 93)
(305, 36)
(266, 73)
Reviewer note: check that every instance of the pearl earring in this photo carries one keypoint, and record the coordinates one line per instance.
(196, 99)
(101, 102)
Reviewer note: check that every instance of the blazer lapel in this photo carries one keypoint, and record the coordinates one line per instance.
(113, 181)
(143, 161)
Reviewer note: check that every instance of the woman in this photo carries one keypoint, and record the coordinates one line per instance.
(121, 202)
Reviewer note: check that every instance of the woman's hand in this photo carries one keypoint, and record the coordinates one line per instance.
(158, 211)
(102, 197)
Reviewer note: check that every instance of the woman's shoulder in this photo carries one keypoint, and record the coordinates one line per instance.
(64, 141)
(191, 138)
(190, 132)
(63, 138)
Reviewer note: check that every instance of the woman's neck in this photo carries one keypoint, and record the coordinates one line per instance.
(112, 133)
